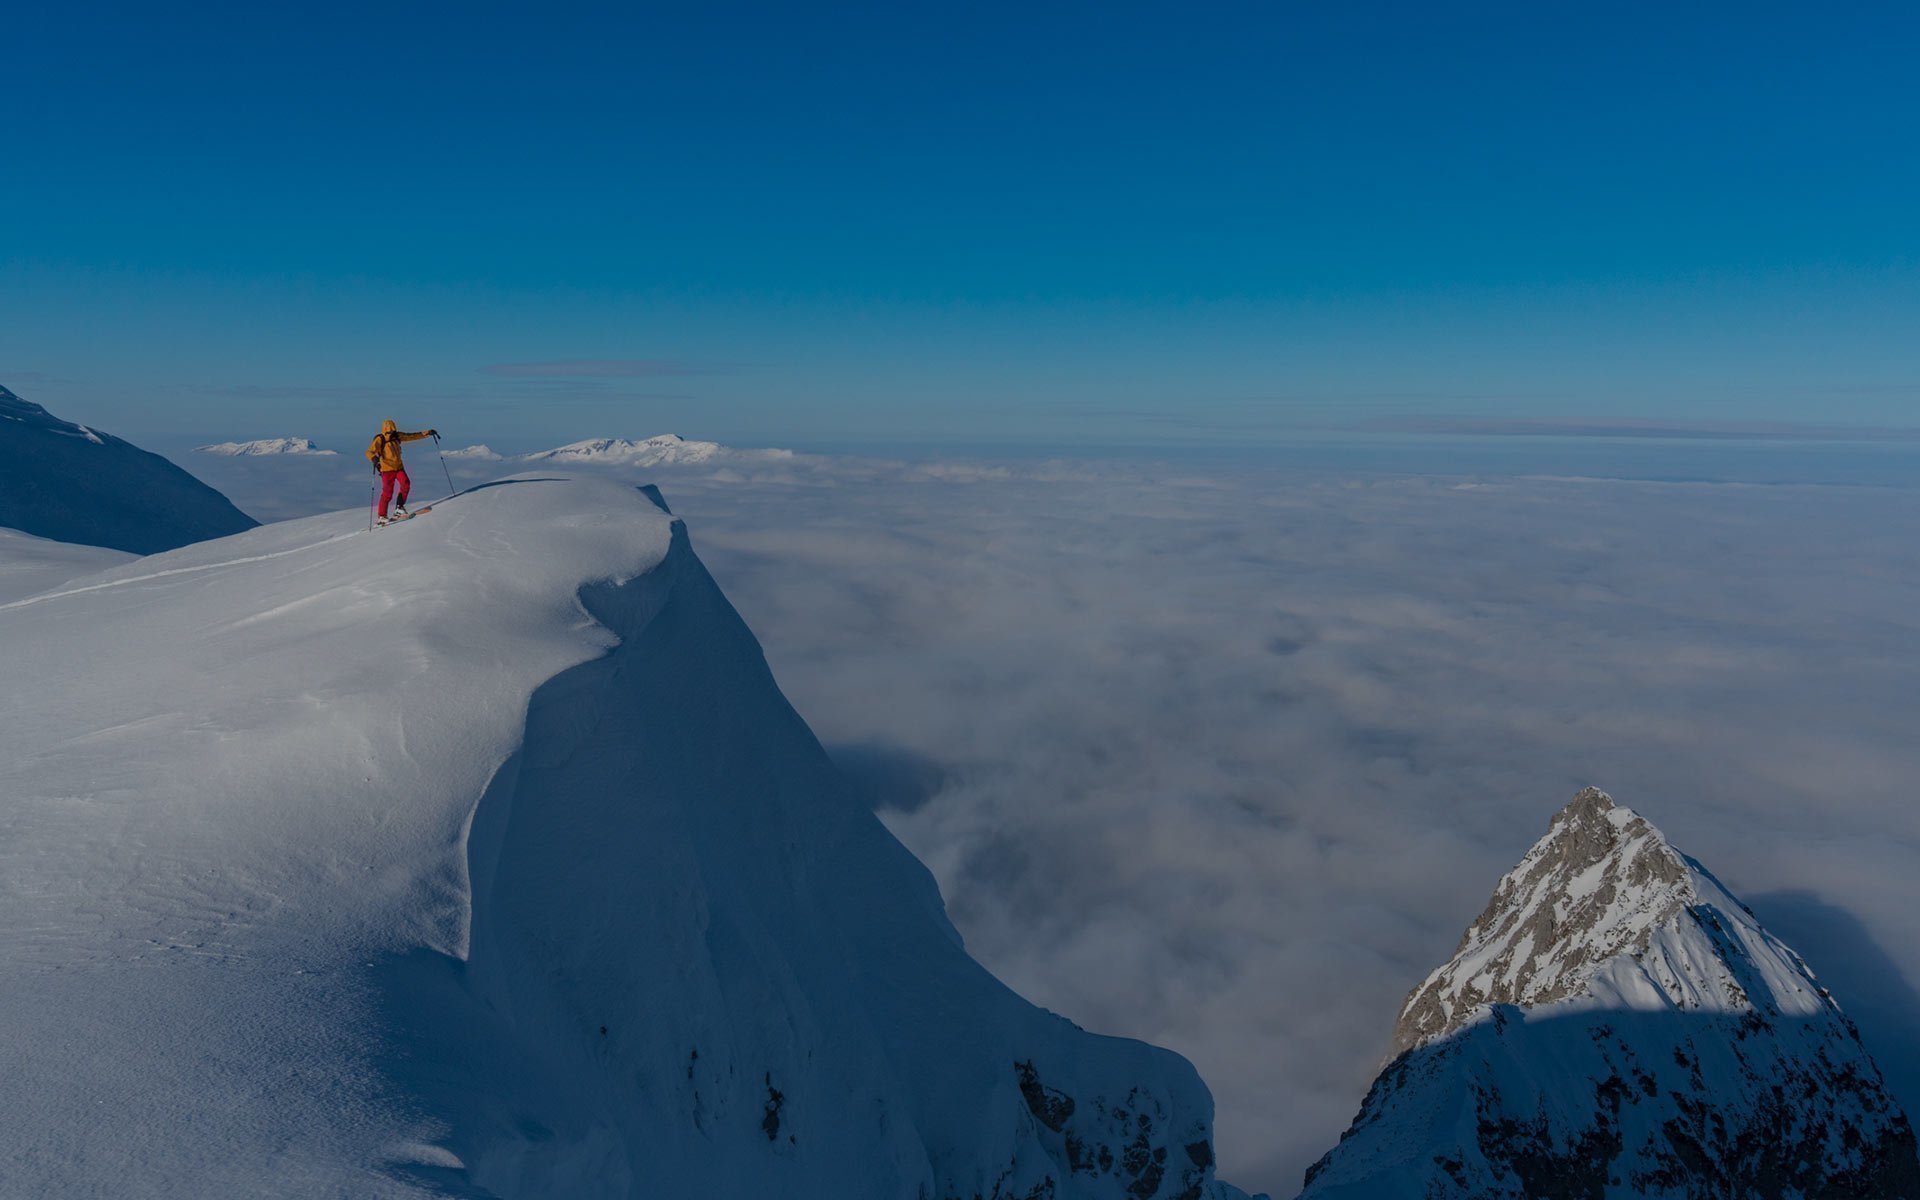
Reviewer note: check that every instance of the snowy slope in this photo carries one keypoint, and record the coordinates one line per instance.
(1616, 1023)
(482, 856)
(29, 564)
(287, 445)
(664, 450)
(74, 484)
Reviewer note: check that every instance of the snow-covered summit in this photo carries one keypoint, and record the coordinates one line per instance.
(71, 483)
(481, 856)
(1617, 1024)
(287, 445)
(1604, 910)
(476, 453)
(663, 450)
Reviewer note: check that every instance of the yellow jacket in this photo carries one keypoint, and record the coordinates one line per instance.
(384, 451)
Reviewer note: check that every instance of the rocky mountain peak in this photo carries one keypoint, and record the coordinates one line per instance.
(1596, 886)
(1617, 1024)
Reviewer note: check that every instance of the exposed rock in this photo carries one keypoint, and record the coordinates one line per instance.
(1595, 887)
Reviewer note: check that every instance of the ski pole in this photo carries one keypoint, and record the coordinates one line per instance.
(370, 503)
(443, 465)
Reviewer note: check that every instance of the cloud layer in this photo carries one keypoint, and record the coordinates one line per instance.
(1647, 428)
(1229, 764)
(1227, 759)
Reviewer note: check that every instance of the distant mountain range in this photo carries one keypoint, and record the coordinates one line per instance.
(475, 453)
(287, 445)
(662, 450)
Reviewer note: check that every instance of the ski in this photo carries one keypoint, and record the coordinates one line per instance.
(382, 523)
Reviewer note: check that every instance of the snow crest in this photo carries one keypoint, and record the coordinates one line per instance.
(663, 450)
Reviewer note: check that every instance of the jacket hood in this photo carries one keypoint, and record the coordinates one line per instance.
(389, 427)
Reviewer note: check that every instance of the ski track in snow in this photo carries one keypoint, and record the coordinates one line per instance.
(232, 562)
(131, 579)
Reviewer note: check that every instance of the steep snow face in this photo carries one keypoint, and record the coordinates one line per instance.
(482, 856)
(264, 446)
(74, 484)
(665, 450)
(1616, 1023)
(29, 564)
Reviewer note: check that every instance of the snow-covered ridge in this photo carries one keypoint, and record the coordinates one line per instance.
(481, 855)
(667, 449)
(287, 445)
(474, 453)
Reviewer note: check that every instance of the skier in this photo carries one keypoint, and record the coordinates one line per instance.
(384, 454)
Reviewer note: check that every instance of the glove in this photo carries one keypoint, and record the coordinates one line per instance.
(434, 433)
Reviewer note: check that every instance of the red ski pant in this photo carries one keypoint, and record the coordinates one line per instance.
(387, 481)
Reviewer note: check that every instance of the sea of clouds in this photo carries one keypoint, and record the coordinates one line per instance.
(1225, 753)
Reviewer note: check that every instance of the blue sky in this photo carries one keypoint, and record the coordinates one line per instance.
(907, 221)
